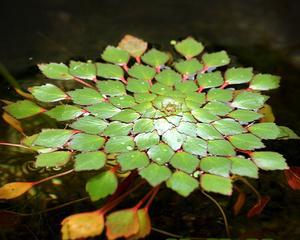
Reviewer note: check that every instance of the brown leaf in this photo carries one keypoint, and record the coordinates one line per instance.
(135, 46)
(82, 225)
(266, 110)
(258, 207)
(13, 122)
(14, 189)
(239, 203)
(293, 177)
(144, 225)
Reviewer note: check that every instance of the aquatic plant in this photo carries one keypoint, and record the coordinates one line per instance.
(141, 117)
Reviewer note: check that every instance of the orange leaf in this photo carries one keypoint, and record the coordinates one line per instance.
(293, 177)
(258, 207)
(24, 94)
(135, 46)
(14, 189)
(266, 110)
(239, 203)
(13, 122)
(124, 223)
(82, 225)
(144, 225)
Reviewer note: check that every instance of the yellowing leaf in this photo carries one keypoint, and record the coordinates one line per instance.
(13, 122)
(14, 189)
(82, 225)
(135, 46)
(144, 225)
(266, 110)
(23, 94)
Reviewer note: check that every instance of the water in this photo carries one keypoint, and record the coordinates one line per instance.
(262, 34)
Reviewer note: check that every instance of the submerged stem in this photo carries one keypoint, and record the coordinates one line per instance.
(250, 186)
(14, 145)
(54, 176)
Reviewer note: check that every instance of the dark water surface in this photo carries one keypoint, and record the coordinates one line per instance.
(262, 34)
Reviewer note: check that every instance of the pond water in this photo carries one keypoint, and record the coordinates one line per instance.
(262, 34)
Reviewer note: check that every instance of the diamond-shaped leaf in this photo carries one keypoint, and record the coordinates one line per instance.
(186, 86)
(64, 112)
(86, 142)
(155, 174)
(189, 67)
(248, 100)
(218, 108)
(48, 93)
(144, 97)
(244, 115)
(111, 88)
(90, 124)
(127, 116)
(217, 94)
(119, 144)
(182, 183)
(246, 141)
(144, 225)
(117, 129)
(143, 125)
(195, 146)
(125, 101)
(89, 161)
(217, 184)
(115, 55)
(162, 125)
(168, 77)
(243, 167)
(269, 160)
(220, 147)
(238, 75)
(208, 132)
(57, 71)
(263, 82)
(85, 96)
(173, 138)
(84, 70)
(103, 110)
(265, 130)
(23, 109)
(146, 140)
(142, 72)
(204, 115)
(53, 159)
(216, 165)
(137, 86)
(287, 133)
(135, 46)
(228, 126)
(184, 161)
(160, 89)
(155, 58)
(110, 71)
(53, 138)
(189, 47)
(209, 80)
(216, 59)
(160, 153)
(187, 128)
(14, 189)
(132, 160)
(101, 185)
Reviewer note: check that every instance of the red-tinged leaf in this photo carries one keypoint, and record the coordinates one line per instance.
(24, 94)
(144, 225)
(258, 207)
(293, 177)
(82, 225)
(9, 219)
(239, 203)
(123, 223)
(135, 46)
(14, 189)
(13, 122)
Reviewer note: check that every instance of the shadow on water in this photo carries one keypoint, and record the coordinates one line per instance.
(262, 34)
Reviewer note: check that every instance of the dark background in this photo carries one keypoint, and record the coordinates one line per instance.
(263, 34)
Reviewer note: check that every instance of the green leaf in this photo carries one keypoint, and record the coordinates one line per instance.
(208, 132)
(218, 108)
(29, 142)
(216, 59)
(125, 101)
(209, 80)
(246, 141)
(123, 223)
(160, 89)
(173, 138)
(115, 55)
(155, 174)
(195, 146)
(243, 167)
(146, 140)
(220, 147)
(89, 161)
(127, 115)
(189, 67)
(86, 142)
(160, 153)
(53, 138)
(137, 86)
(182, 183)
(103, 110)
(144, 225)
(204, 115)
(119, 144)
(186, 86)
(85, 96)
(168, 77)
(132, 160)
(217, 184)
(117, 129)
(90, 124)
(195, 97)
(57, 71)
(238, 75)
(221, 95)
(228, 126)
(185, 162)
(53, 159)
(111, 88)
(265, 130)
(48, 93)
(248, 100)
(187, 128)
(143, 125)
(111, 71)
(188, 117)
(162, 125)
(245, 115)
(23, 109)
(155, 58)
(175, 120)
(144, 97)
(269, 160)
(216, 165)
(101, 185)
(142, 108)
(64, 112)
(83, 70)
(142, 72)
(287, 133)
(189, 47)
(263, 82)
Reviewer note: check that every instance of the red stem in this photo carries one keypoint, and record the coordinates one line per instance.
(125, 67)
(200, 89)
(143, 200)
(54, 176)
(138, 59)
(225, 84)
(83, 82)
(155, 191)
